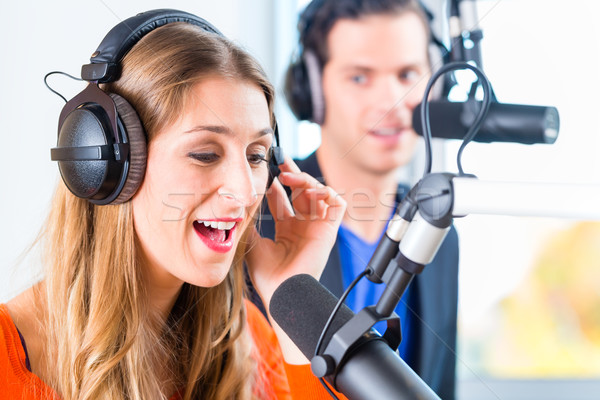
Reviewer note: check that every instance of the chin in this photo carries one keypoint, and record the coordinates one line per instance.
(209, 279)
(386, 164)
(206, 270)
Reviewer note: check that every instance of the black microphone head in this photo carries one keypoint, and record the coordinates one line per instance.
(509, 123)
(301, 306)
(371, 370)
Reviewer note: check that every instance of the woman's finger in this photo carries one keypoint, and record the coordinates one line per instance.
(278, 201)
(299, 180)
(289, 165)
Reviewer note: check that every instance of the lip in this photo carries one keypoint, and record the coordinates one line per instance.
(387, 135)
(212, 238)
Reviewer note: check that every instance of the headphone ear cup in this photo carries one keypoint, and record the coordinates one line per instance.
(297, 90)
(303, 88)
(92, 163)
(138, 152)
(315, 82)
(84, 126)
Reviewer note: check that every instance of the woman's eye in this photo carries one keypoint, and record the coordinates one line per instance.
(257, 158)
(205, 158)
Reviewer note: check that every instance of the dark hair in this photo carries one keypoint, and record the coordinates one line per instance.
(319, 16)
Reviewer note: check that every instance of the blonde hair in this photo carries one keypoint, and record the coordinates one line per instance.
(103, 340)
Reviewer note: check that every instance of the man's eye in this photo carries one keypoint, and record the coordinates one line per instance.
(257, 158)
(205, 158)
(411, 75)
(359, 79)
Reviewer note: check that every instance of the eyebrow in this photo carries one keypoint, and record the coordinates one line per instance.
(224, 130)
(369, 69)
(355, 68)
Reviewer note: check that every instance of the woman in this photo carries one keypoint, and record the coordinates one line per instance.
(145, 300)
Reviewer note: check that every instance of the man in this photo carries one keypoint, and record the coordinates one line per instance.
(363, 69)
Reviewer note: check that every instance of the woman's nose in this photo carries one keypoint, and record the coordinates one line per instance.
(238, 186)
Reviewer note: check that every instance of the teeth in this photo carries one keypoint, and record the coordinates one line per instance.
(222, 225)
(229, 225)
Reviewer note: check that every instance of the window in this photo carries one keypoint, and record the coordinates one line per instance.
(528, 285)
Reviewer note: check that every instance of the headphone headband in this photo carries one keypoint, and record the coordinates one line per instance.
(105, 61)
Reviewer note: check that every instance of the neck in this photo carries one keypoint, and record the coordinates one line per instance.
(370, 196)
(163, 300)
(162, 290)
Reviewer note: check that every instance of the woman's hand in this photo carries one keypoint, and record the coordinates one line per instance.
(304, 236)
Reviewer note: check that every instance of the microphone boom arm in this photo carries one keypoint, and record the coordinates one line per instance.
(418, 229)
(440, 197)
(473, 196)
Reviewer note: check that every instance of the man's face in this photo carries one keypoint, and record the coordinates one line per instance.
(376, 75)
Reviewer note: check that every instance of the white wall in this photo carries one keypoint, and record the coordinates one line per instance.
(37, 37)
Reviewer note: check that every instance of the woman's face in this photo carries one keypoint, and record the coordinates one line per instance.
(205, 178)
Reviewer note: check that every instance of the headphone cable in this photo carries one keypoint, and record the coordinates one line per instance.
(473, 130)
(330, 320)
(61, 73)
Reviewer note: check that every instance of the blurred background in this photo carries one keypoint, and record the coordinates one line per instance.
(529, 312)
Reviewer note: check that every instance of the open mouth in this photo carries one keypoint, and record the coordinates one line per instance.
(217, 235)
(218, 231)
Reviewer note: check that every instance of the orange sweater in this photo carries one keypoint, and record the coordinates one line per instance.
(281, 380)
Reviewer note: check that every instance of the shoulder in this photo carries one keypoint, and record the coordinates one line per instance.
(260, 329)
(22, 340)
(24, 311)
(287, 381)
(12, 353)
(9, 335)
(271, 371)
(15, 378)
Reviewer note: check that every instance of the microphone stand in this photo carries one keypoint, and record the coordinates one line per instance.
(413, 237)
(465, 32)
(411, 241)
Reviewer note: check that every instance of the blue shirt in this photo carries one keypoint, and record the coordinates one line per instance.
(355, 254)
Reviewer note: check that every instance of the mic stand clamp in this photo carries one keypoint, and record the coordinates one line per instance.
(352, 335)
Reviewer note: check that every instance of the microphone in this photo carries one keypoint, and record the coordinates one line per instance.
(370, 370)
(513, 123)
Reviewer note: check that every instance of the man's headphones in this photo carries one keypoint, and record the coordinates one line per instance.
(303, 81)
(303, 90)
(101, 150)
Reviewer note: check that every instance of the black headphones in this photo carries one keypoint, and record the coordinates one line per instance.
(303, 83)
(304, 93)
(101, 150)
